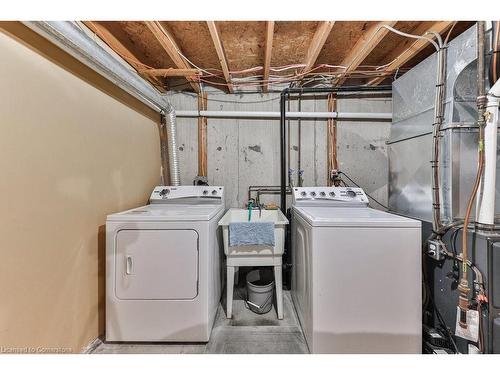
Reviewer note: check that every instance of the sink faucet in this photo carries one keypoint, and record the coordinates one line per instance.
(251, 205)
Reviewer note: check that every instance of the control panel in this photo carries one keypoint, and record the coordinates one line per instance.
(187, 194)
(329, 196)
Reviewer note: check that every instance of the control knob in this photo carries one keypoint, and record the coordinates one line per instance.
(205, 192)
(351, 193)
(303, 193)
(214, 192)
(313, 193)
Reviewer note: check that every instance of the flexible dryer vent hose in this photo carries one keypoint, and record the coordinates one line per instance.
(173, 157)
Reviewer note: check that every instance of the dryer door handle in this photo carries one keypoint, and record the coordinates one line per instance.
(128, 264)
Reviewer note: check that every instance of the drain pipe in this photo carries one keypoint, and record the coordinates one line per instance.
(72, 38)
(486, 201)
(486, 198)
(463, 286)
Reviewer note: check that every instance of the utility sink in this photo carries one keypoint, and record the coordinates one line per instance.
(235, 215)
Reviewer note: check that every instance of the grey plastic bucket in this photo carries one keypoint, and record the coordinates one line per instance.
(260, 290)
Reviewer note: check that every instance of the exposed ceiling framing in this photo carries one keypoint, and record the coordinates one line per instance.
(268, 55)
(363, 47)
(404, 53)
(170, 46)
(317, 44)
(215, 34)
(124, 52)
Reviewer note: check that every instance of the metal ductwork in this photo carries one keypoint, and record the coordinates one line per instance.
(72, 38)
(410, 185)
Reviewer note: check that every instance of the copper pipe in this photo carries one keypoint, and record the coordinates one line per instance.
(463, 287)
(202, 137)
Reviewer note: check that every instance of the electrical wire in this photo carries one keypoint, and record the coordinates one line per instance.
(449, 33)
(369, 196)
(480, 295)
(299, 76)
(381, 67)
(364, 71)
(444, 326)
(129, 59)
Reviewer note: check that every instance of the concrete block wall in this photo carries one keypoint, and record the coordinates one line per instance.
(244, 152)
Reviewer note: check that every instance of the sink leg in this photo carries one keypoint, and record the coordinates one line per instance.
(236, 275)
(279, 290)
(229, 289)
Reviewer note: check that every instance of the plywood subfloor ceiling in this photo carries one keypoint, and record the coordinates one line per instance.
(265, 55)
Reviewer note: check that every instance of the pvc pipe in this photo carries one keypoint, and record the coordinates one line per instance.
(486, 200)
(289, 115)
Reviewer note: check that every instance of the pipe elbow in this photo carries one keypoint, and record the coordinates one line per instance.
(494, 93)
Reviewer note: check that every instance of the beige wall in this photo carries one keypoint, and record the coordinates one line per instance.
(69, 155)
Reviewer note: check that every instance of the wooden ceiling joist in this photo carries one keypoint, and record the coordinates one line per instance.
(170, 46)
(219, 48)
(171, 72)
(267, 53)
(402, 53)
(107, 37)
(317, 44)
(363, 47)
(158, 49)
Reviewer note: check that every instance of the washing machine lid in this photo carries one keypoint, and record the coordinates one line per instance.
(170, 212)
(353, 217)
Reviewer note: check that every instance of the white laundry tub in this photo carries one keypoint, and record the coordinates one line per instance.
(234, 215)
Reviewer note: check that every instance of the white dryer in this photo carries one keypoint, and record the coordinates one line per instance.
(163, 266)
(356, 276)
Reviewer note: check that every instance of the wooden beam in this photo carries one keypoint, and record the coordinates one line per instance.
(219, 48)
(267, 53)
(202, 137)
(363, 47)
(170, 46)
(331, 140)
(408, 49)
(171, 72)
(107, 37)
(317, 44)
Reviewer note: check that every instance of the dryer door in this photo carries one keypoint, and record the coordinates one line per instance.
(156, 264)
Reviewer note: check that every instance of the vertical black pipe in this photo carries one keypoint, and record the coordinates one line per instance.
(285, 94)
(283, 151)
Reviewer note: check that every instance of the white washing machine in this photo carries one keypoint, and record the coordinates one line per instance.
(356, 277)
(163, 266)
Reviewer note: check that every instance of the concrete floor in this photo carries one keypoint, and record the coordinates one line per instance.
(245, 333)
